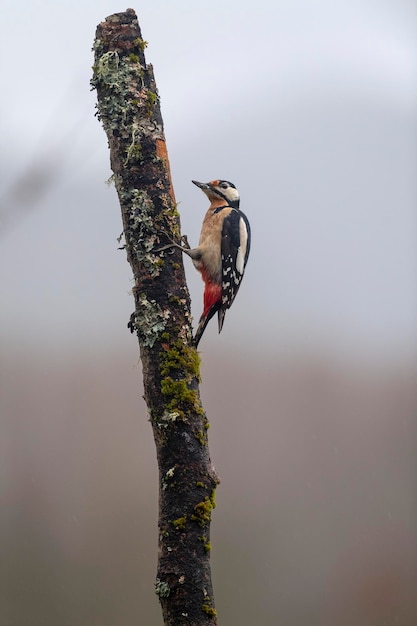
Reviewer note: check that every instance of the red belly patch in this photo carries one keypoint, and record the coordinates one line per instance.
(212, 294)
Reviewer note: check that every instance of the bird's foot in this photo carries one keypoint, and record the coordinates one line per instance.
(185, 244)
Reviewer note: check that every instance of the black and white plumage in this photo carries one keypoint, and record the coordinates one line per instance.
(235, 248)
(222, 252)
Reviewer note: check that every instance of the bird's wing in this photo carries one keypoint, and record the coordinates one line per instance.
(235, 252)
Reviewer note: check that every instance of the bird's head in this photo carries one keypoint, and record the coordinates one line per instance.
(217, 189)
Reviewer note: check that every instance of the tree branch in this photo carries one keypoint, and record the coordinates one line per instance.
(128, 106)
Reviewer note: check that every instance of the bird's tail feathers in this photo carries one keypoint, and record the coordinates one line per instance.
(221, 314)
(204, 320)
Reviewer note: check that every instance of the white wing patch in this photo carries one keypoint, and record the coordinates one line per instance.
(235, 250)
(241, 251)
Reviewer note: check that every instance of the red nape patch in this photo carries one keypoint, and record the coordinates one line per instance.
(212, 294)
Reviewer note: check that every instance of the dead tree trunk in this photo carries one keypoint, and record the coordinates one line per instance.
(128, 106)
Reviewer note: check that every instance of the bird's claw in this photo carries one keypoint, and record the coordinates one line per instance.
(184, 241)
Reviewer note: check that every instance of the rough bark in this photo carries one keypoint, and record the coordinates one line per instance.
(128, 107)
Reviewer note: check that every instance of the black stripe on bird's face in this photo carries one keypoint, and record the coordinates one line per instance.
(221, 189)
(226, 190)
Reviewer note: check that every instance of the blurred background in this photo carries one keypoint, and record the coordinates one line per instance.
(309, 107)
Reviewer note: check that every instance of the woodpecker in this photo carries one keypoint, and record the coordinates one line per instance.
(222, 252)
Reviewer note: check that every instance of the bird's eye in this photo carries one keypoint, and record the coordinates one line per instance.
(224, 185)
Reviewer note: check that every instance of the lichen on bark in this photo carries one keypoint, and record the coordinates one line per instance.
(129, 109)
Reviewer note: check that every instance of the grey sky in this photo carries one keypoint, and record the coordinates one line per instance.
(308, 107)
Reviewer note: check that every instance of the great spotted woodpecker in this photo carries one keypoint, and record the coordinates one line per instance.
(222, 252)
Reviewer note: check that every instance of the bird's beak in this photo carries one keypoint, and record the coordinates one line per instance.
(202, 186)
